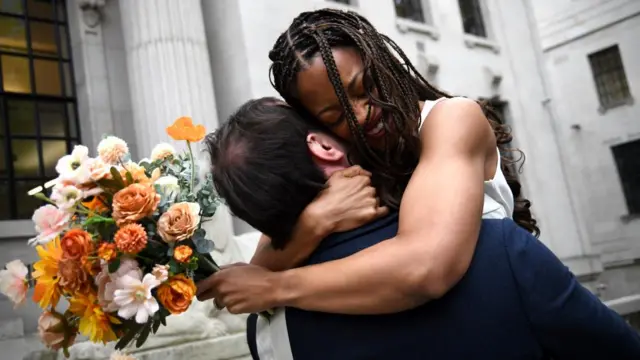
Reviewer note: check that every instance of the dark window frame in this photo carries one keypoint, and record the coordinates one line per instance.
(343, 2)
(67, 101)
(607, 69)
(473, 18)
(627, 160)
(413, 10)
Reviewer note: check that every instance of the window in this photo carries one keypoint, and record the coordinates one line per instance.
(38, 121)
(346, 2)
(410, 9)
(472, 20)
(627, 158)
(609, 75)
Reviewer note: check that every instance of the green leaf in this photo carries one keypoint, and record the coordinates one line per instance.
(129, 178)
(203, 246)
(156, 325)
(144, 335)
(174, 267)
(114, 265)
(117, 177)
(128, 336)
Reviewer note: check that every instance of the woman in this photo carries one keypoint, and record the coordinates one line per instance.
(440, 152)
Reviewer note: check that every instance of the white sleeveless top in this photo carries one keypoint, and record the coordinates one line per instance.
(272, 337)
(498, 198)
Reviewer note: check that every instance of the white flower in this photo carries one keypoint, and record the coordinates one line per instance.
(112, 150)
(72, 168)
(167, 186)
(134, 297)
(50, 222)
(98, 169)
(13, 282)
(162, 151)
(66, 196)
(161, 272)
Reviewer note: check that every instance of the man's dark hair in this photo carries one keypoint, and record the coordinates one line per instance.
(262, 166)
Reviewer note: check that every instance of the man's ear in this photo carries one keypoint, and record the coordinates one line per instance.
(324, 148)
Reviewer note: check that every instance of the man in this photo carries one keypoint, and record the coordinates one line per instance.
(517, 300)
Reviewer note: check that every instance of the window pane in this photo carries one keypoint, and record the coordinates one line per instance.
(68, 86)
(26, 204)
(3, 160)
(21, 115)
(64, 47)
(11, 6)
(71, 113)
(52, 151)
(40, 8)
(15, 74)
(47, 77)
(12, 35)
(43, 38)
(62, 12)
(4, 204)
(52, 119)
(25, 158)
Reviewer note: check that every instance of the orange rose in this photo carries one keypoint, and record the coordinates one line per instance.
(131, 239)
(183, 129)
(75, 244)
(179, 222)
(73, 277)
(107, 251)
(177, 293)
(134, 202)
(182, 253)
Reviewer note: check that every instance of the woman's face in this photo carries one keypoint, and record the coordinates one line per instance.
(318, 96)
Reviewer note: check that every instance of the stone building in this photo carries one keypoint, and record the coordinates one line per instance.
(77, 69)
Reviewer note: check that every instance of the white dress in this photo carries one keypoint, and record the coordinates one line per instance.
(272, 338)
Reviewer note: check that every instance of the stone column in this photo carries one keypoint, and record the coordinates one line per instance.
(169, 67)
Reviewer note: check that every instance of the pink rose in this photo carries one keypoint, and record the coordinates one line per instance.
(51, 329)
(50, 222)
(13, 282)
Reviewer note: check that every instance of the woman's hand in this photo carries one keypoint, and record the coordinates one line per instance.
(348, 202)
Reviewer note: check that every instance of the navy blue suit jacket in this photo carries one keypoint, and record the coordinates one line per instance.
(516, 301)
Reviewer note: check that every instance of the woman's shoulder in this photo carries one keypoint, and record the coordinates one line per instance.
(456, 115)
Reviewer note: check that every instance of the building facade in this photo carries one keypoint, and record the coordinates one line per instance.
(593, 63)
(75, 70)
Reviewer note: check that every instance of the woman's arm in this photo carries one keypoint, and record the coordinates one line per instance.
(349, 201)
(440, 217)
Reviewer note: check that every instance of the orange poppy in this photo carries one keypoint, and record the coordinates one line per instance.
(183, 129)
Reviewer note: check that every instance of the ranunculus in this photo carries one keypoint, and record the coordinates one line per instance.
(76, 243)
(52, 328)
(134, 202)
(66, 196)
(179, 222)
(182, 253)
(162, 151)
(161, 272)
(131, 238)
(176, 294)
(112, 150)
(13, 282)
(73, 277)
(50, 222)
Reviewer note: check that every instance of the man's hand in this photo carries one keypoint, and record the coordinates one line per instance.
(241, 288)
(348, 202)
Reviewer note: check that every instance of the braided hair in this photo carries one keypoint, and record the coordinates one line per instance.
(399, 88)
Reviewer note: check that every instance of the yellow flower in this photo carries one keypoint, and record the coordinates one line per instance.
(94, 322)
(183, 129)
(45, 271)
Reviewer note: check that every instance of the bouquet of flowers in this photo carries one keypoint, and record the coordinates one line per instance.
(122, 241)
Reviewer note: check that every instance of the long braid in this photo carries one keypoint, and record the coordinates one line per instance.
(399, 86)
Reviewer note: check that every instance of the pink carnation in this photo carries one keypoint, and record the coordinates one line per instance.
(50, 222)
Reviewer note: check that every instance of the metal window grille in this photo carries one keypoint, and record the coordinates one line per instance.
(610, 77)
(627, 159)
(472, 19)
(38, 121)
(410, 9)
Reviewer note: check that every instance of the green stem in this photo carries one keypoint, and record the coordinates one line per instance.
(193, 167)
